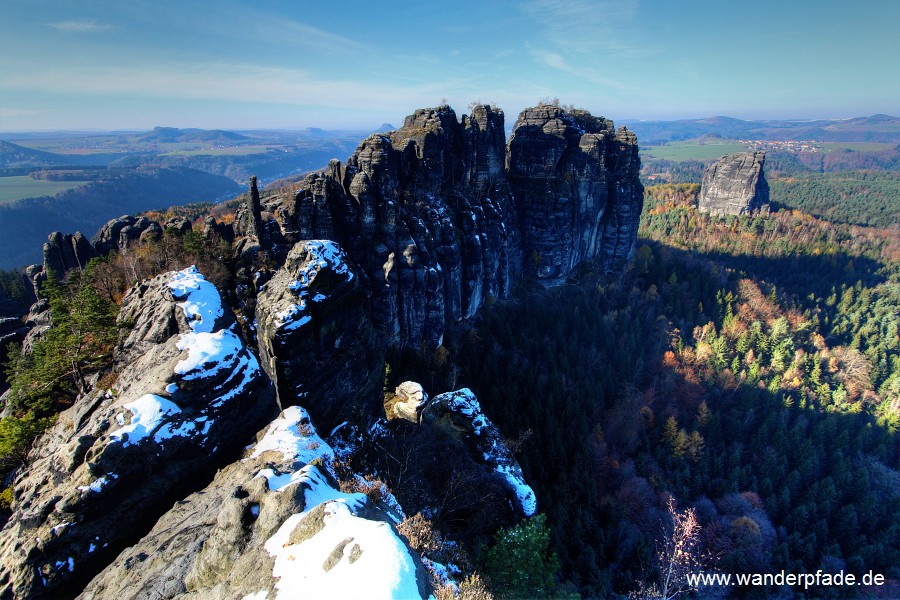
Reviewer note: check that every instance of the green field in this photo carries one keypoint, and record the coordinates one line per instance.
(856, 146)
(694, 150)
(16, 188)
(229, 151)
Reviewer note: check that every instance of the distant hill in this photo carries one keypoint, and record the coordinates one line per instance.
(272, 164)
(25, 225)
(14, 156)
(876, 128)
(170, 135)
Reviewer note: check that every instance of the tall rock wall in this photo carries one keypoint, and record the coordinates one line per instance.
(735, 184)
(441, 216)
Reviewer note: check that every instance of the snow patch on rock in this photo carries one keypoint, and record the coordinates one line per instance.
(147, 414)
(293, 435)
(359, 557)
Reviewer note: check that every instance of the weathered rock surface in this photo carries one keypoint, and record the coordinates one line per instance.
(224, 231)
(440, 219)
(735, 185)
(315, 340)
(63, 253)
(117, 234)
(407, 402)
(271, 523)
(576, 184)
(189, 395)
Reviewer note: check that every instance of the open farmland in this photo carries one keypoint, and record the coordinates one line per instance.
(16, 188)
(694, 150)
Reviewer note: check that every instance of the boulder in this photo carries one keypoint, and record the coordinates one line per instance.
(408, 402)
(117, 234)
(735, 185)
(189, 395)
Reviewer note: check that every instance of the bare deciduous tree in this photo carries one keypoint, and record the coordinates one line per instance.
(678, 556)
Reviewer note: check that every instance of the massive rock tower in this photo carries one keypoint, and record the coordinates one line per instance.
(441, 216)
(735, 184)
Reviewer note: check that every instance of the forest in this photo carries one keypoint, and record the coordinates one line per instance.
(747, 366)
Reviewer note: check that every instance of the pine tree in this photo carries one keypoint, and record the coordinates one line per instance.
(519, 564)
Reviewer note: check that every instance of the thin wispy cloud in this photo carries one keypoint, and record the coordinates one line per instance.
(221, 82)
(81, 26)
(557, 61)
(291, 31)
(584, 26)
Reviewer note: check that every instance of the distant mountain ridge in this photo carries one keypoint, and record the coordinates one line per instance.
(876, 128)
(13, 155)
(173, 134)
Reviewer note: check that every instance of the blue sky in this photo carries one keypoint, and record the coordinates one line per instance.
(349, 64)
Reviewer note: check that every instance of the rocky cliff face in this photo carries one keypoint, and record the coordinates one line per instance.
(441, 217)
(187, 392)
(576, 185)
(735, 185)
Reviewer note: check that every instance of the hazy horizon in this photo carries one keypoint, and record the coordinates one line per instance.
(233, 65)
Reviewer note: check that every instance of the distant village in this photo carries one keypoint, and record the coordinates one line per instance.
(788, 146)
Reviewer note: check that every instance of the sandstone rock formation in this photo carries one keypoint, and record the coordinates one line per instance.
(188, 395)
(440, 218)
(273, 523)
(63, 253)
(117, 234)
(735, 185)
(315, 340)
(461, 411)
(407, 402)
(575, 180)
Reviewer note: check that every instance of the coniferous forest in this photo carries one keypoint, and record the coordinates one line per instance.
(747, 366)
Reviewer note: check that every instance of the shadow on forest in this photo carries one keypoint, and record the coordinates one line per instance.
(777, 482)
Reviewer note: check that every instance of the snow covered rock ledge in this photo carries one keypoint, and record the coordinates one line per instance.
(271, 525)
(189, 394)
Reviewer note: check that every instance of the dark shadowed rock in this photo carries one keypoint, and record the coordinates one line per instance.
(315, 340)
(576, 184)
(224, 231)
(735, 185)
(188, 395)
(441, 219)
(461, 412)
(179, 225)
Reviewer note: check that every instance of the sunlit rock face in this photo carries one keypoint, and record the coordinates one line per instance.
(189, 393)
(735, 185)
